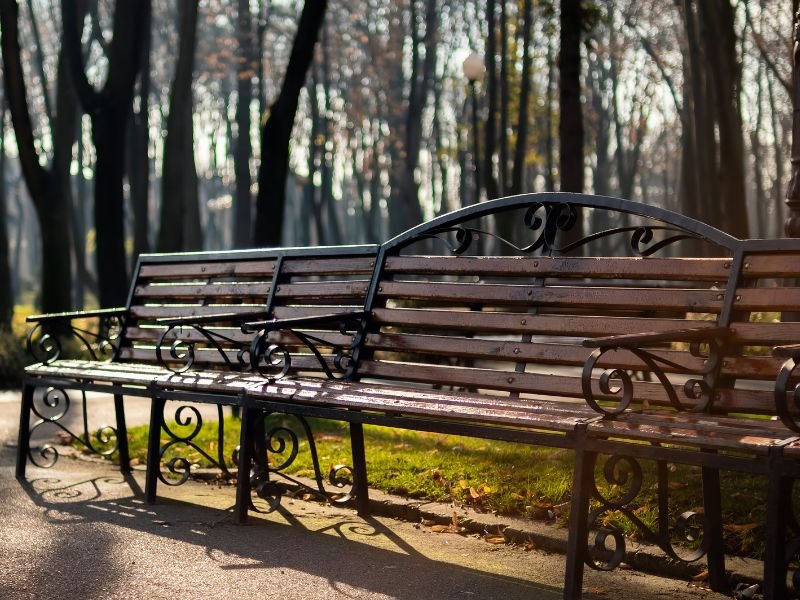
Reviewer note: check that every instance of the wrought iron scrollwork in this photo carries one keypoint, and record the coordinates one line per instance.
(617, 386)
(45, 344)
(623, 474)
(179, 468)
(282, 443)
(274, 361)
(51, 409)
(180, 355)
(546, 219)
(787, 386)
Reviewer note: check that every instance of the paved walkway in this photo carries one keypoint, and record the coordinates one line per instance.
(81, 530)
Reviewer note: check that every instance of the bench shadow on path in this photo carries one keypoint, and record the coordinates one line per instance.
(331, 552)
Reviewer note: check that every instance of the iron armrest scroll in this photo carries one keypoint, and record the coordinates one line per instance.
(638, 340)
(43, 338)
(616, 383)
(274, 361)
(787, 386)
(180, 349)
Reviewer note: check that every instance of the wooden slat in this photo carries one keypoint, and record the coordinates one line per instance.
(767, 334)
(328, 266)
(196, 291)
(153, 334)
(574, 297)
(767, 299)
(522, 323)
(771, 266)
(322, 291)
(680, 269)
(207, 269)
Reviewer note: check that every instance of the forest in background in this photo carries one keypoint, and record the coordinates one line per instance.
(169, 125)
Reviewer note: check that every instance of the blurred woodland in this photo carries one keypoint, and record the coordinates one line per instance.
(172, 125)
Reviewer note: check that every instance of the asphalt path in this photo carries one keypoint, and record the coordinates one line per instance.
(81, 530)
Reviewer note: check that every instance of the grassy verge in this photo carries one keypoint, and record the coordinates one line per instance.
(505, 478)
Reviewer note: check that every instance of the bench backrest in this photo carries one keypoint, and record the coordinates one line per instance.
(281, 283)
(514, 325)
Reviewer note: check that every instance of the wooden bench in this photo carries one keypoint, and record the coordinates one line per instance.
(122, 355)
(650, 337)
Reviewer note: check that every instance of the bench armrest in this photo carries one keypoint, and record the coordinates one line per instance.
(44, 343)
(212, 318)
(77, 314)
(274, 362)
(616, 384)
(288, 324)
(639, 340)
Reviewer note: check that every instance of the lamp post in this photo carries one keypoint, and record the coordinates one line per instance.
(474, 68)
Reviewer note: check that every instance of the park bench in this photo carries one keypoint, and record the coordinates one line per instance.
(118, 351)
(618, 331)
(649, 337)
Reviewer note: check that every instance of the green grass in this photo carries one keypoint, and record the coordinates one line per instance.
(500, 477)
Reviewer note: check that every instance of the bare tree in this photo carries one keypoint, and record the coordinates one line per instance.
(109, 110)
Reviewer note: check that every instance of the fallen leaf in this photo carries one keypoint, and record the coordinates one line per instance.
(495, 539)
(701, 576)
(732, 528)
(441, 529)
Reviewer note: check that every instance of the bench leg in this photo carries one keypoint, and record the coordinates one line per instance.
(245, 459)
(153, 450)
(778, 511)
(360, 482)
(122, 435)
(578, 523)
(24, 436)
(712, 508)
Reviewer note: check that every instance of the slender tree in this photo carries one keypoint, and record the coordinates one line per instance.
(48, 186)
(242, 200)
(277, 129)
(6, 287)
(180, 210)
(109, 110)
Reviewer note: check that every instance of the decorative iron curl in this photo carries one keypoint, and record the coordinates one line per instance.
(179, 351)
(46, 348)
(786, 384)
(695, 389)
(340, 481)
(189, 416)
(266, 358)
(53, 406)
(625, 472)
(44, 345)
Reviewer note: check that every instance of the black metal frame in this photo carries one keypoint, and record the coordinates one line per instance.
(547, 216)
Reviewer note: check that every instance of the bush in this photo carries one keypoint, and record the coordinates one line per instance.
(13, 358)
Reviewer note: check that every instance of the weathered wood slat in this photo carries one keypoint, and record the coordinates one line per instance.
(328, 266)
(241, 291)
(689, 300)
(523, 323)
(768, 299)
(678, 269)
(322, 291)
(202, 270)
(153, 334)
(771, 266)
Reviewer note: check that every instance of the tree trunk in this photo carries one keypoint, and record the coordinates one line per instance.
(139, 161)
(243, 151)
(48, 189)
(570, 125)
(524, 101)
(6, 287)
(180, 217)
(725, 72)
(274, 168)
(490, 133)
(109, 110)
